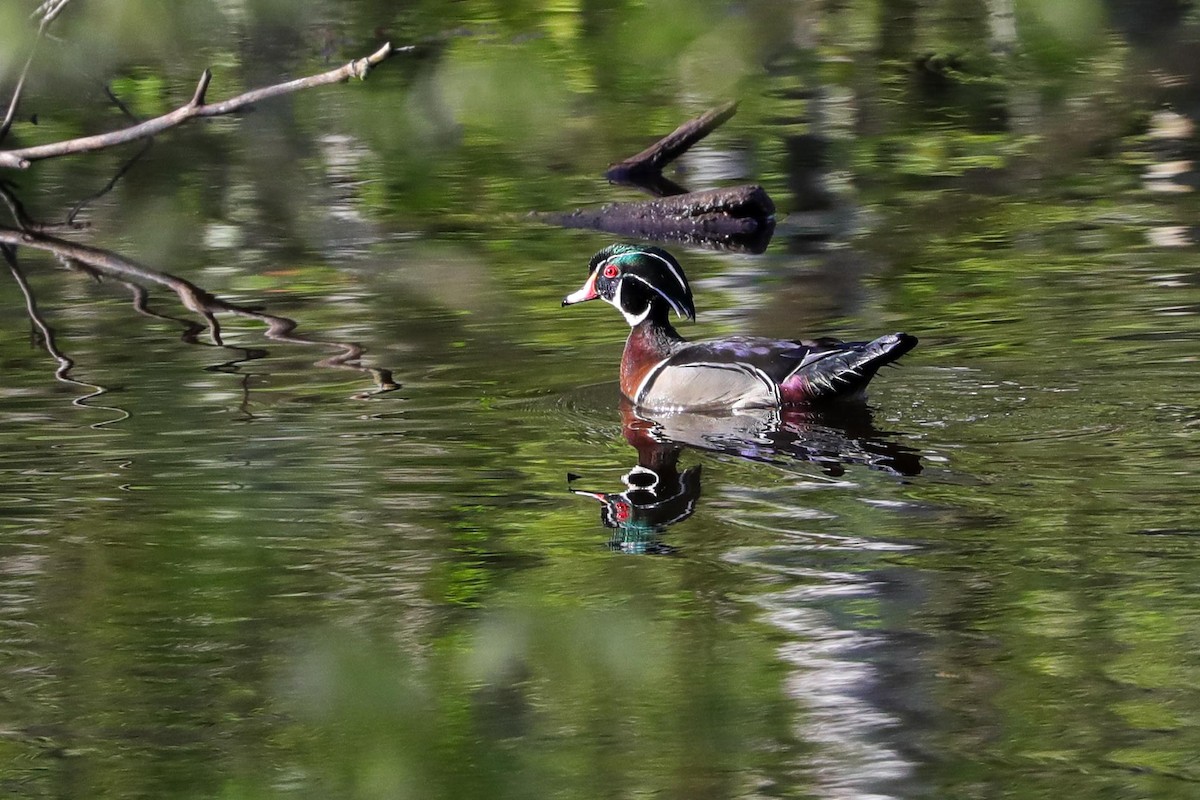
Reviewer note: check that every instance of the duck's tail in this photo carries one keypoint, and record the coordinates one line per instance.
(845, 369)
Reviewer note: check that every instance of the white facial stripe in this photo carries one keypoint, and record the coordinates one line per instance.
(675, 306)
(632, 319)
(635, 320)
(682, 283)
(651, 485)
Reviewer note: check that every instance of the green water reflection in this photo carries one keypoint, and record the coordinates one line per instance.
(342, 560)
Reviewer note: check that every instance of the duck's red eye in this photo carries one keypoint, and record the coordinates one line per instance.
(610, 271)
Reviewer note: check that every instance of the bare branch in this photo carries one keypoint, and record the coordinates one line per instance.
(196, 107)
(48, 11)
(201, 89)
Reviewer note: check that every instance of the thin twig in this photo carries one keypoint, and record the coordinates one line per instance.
(27, 223)
(11, 114)
(48, 11)
(108, 187)
(30, 225)
(121, 105)
(196, 107)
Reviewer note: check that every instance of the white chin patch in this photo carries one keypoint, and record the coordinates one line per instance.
(632, 319)
(636, 319)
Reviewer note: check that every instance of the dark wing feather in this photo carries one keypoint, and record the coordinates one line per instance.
(755, 371)
(835, 369)
(776, 358)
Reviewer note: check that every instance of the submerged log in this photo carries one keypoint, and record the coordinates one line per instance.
(736, 218)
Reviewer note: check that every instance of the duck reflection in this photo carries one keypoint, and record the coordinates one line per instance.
(658, 494)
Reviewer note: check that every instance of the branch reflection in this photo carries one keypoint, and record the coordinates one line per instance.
(50, 342)
(138, 279)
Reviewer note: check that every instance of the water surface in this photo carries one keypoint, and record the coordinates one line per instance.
(328, 547)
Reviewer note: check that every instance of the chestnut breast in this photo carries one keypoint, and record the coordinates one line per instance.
(644, 349)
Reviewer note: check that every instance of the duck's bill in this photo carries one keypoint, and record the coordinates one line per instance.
(601, 496)
(585, 293)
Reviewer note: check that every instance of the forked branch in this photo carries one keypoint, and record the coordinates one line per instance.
(196, 107)
(48, 11)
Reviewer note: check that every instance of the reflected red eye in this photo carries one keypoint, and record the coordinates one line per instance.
(610, 270)
(622, 511)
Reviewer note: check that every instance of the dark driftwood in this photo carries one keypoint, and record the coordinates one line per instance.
(645, 168)
(735, 218)
(194, 108)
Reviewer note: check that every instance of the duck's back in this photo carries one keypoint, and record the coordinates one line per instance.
(754, 372)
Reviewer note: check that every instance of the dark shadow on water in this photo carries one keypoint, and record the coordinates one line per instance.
(658, 494)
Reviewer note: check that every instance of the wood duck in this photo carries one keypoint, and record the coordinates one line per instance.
(662, 371)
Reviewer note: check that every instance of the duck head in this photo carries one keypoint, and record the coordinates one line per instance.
(653, 501)
(642, 282)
